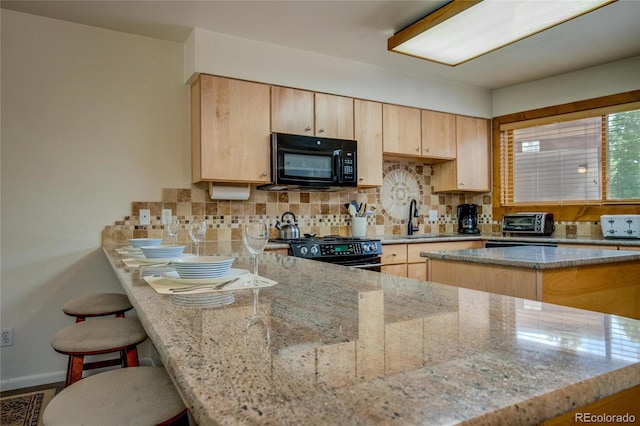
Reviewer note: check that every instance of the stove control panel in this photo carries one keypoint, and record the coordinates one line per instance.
(333, 249)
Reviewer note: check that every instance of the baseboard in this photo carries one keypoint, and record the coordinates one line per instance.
(47, 378)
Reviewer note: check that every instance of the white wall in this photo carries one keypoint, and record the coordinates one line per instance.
(221, 54)
(609, 79)
(92, 120)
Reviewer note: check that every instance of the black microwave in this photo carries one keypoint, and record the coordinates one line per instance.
(308, 163)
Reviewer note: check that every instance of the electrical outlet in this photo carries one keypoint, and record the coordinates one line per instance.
(7, 337)
(166, 216)
(433, 215)
(145, 216)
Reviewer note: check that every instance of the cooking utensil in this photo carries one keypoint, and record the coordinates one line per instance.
(216, 286)
(352, 210)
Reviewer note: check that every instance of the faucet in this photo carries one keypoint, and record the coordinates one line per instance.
(413, 212)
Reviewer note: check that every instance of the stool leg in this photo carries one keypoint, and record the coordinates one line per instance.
(131, 359)
(74, 369)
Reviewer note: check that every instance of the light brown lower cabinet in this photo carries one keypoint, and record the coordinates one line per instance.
(404, 259)
(612, 288)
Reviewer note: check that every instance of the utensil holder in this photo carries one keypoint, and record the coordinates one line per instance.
(358, 226)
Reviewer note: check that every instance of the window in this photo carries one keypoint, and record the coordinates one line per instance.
(591, 157)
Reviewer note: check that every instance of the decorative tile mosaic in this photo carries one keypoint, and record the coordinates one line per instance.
(320, 213)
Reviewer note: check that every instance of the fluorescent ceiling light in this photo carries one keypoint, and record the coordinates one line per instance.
(465, 29)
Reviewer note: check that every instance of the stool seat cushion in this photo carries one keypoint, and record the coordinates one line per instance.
(97, 305)
(128, 396)
(99, 336)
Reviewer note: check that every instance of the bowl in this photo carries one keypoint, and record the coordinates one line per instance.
(139, 242)
(199, 267)
(162, 251)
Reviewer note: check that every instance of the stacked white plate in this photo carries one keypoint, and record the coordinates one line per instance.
(139, 242)
(201, 267)
(203, 300)
(160, 251)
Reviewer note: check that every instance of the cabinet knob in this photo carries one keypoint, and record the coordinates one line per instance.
(307, 129)
(427, 150)
(461, 183)
(418, 149)
(394, 254)
(360, 178)
(264, 174)
(321, 131)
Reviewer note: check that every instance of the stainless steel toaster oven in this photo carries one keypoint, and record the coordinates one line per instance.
(534, 223)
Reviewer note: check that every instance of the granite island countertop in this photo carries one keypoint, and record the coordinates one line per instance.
(349, 346)
(536, 257)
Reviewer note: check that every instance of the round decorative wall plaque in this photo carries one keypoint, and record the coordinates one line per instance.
(399, 187)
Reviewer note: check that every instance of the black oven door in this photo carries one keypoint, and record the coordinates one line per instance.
(361, 262)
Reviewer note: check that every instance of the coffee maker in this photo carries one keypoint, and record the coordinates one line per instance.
(468, 219)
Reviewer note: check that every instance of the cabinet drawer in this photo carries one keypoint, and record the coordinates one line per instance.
(414, 250)
(394, 254)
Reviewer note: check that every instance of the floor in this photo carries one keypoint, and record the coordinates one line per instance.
(59, 386)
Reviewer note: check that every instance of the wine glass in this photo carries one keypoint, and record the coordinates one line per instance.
(255, 237)
(197, 232)
(172, 229)
(256, 331)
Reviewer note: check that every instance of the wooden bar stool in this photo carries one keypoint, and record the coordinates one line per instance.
(97, 305)
(99, 336)
(129, 396)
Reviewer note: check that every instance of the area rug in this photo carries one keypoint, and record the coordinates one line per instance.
(25, 409)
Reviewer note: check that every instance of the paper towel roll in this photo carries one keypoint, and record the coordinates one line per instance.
(228, 192)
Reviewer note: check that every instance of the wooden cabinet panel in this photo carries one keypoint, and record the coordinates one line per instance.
(368, 134)
(516, 282)
(399, 270)
(417, 270)
(470, 171)
(334, 116)
(414, 250)
(438, 134)
(394, 254)
(401, 130)
(230, 130)
(292, 111)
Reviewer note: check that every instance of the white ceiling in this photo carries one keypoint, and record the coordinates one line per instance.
(358, 30)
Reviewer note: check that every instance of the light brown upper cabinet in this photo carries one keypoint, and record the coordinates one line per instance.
(368, 133)
(301, 112)
(438, 135)
(230, 130)
(401, 130)
(470, 170)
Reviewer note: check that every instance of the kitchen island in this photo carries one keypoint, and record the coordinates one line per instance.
(354, 347)
(606, 281)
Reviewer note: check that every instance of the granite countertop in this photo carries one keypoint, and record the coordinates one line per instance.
(357, 347)
(536, 257)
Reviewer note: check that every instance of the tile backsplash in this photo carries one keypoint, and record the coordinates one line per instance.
(321, 213)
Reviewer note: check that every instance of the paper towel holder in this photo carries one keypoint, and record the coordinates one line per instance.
(229, 192)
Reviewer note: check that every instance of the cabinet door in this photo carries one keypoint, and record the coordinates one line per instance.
(292, 111)
(368, 134)
(397, 270)
(334, 116)
(401, 130)
(230, 130)
(438, 134)
(472, 136)
(470, 171)
(417, 270)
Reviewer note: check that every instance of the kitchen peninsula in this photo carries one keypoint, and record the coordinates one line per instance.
(600, 280)
(356, 347)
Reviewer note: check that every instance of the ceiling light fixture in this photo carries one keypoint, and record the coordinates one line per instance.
(465, 29)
